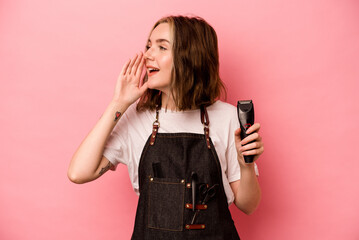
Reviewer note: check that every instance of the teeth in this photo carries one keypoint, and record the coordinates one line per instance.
(153, 69)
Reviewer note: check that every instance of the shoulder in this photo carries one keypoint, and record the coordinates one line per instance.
(223, 111)
(132, 114)
(222, 106)
(133, 120)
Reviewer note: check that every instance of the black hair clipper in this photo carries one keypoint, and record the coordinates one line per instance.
(245, 110)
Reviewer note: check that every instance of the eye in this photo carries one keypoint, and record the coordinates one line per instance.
(163, 48)
(148, 47)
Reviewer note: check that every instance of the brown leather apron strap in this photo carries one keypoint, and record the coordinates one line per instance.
(155, 126)
(205, 122)
(189, 185)
(198, 206)
(195, 226)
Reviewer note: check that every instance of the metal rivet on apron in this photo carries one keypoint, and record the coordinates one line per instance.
(187, 205)
(188, 185)
(182, 181)
(151, 179)
(153, 136)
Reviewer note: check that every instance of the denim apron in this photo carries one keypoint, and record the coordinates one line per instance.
(179, 177)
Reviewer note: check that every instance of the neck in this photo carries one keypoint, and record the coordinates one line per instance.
(168, 102)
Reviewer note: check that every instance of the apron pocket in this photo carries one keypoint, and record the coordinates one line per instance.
(166, 204)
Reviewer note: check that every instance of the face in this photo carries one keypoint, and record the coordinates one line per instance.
(159, 58)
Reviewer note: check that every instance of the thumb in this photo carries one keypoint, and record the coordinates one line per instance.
(143, 88)
(237, 135)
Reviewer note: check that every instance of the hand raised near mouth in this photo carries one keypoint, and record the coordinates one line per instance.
(128, 88)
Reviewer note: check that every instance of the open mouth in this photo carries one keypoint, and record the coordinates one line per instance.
(151, 70)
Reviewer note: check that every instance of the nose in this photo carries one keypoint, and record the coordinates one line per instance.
(149, 54)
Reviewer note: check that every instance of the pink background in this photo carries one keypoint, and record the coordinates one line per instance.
(298, 61)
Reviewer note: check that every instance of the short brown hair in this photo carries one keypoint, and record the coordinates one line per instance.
(195, 73)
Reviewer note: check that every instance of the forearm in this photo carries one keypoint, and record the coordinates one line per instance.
(86, 160)
(248, 192)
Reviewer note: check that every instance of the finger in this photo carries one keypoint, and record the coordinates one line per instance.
(137, 63)
(131, 64)
(250, 138)
(254, 128)
(140, 67)
(144, 70)
(250, 146)
(124, 68)
(143, 88)
(237, 135)
(256, 151)
(259, 139)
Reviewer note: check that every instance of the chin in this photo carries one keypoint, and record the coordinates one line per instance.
(150, 85)
(160, 87)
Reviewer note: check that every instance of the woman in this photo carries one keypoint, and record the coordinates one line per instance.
(181, 145)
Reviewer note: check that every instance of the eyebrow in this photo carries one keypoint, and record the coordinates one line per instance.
(160, 40)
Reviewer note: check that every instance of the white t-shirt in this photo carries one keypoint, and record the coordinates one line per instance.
(128, 138)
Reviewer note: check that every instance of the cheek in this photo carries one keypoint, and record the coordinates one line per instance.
(167, 62)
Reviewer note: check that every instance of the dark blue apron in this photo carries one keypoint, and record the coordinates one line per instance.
(170, 165)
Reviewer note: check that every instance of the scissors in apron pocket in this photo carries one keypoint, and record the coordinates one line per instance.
(207, 194)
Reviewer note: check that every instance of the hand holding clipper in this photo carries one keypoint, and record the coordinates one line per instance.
(245, 110)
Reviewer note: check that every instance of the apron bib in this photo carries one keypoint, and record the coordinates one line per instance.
(170, 165)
